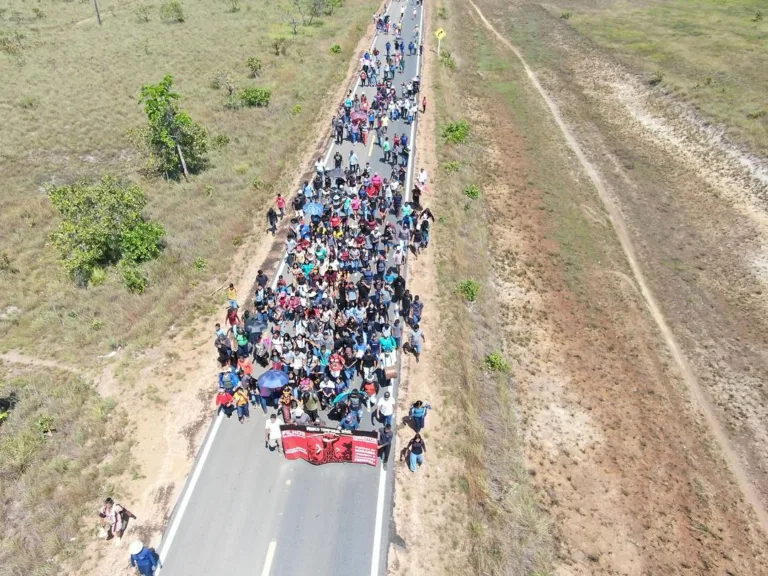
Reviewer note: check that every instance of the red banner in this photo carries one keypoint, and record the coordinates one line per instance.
(323, 445)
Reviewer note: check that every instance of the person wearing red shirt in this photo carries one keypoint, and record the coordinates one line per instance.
(224, 402)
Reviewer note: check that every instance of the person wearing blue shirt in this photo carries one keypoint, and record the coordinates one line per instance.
(143, 558)
(418, 414)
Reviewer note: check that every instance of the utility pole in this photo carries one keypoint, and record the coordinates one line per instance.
(98, 14)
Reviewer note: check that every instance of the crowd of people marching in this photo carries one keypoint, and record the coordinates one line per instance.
(328, 331)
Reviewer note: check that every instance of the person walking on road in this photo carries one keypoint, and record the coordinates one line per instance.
(418, 414)
(385, 443)
(385, 408)
(416, 452)
(240, 400)
(272, 435)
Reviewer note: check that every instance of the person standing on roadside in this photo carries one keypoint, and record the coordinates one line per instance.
(385, 443)
(272, 220)
(419, 414)
(416, 452)
(116, 519)
(280, 201)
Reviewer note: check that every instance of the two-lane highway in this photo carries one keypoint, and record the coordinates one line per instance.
(245, 510)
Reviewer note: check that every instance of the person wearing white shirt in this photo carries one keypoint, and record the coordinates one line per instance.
(272, 437)
(422, 178)
(385, 408)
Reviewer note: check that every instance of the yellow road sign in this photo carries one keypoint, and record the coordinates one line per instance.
(439, 33)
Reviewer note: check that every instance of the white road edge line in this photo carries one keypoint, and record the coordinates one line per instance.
(165, 545)
(378, 528)
(270, 557)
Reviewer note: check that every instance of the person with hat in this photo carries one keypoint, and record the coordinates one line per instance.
(142, 558)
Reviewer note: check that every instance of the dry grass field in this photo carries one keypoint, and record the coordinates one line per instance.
(69, 99)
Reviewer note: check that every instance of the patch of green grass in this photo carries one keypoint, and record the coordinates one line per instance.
(472, 191)
(456, 132)
(496, 362)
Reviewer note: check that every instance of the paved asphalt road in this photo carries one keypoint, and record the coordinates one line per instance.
(247, 511)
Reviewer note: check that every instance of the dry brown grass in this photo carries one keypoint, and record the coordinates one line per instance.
(508, 532)
(68, 100)
(50, 480)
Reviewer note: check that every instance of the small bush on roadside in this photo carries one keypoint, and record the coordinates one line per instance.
(566, 15)
(39, 14)
(756, 114)
(238, 240)
(448, 60)
(254, 66)
(469, 290)
(656, 78)
(257, 183)
(335, 49)
(496, 362)
(171, 12)
(256, 97)
(472, 191)
(28, 102)
(456, 132)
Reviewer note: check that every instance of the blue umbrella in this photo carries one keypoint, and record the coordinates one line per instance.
(314, 209)
(272, 379)
(343, 396)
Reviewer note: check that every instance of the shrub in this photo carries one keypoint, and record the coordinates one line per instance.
(296, 109)
(335, 49)
(756, 114)
(6, 264)
(242, 169)
(142, 14)
(233, 5)
(256, 97)
(456, 132)
(200, 263)
(97, 325)
(656, 78)
(566, 15)
(237, 240)
(448, 60)
(442, 13)
(469, 290)
(39, 14)
(257, 183)
(101, 225)
(496, 362)
(758, 16)
(134, 279)
(171, 12)
(452, 167)
(472, 191)
(280, 46)
(254, 65)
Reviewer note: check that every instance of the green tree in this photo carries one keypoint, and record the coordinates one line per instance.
(173, 142)
(102, 224)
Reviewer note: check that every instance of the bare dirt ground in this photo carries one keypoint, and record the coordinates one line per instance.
(427, 521)
(626, 464)
(167, 391)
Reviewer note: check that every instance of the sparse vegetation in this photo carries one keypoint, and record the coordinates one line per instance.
(452, 167)
(171, 12)
(142, 13)
(254, 65)
(496, 362)
(472, 191)
(51, 442)
(469, 290)
(447, 59)
(566, 15)
(456, 132)
(280, 46)
(335, 49)
(233, 5)
(656, 78)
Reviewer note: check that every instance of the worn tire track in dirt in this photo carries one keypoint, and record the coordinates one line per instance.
(619, 226)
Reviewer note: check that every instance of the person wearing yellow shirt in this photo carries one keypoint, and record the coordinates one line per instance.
(232, 296)
(240, 400)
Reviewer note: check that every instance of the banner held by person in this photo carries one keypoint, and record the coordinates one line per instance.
(319, 445)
